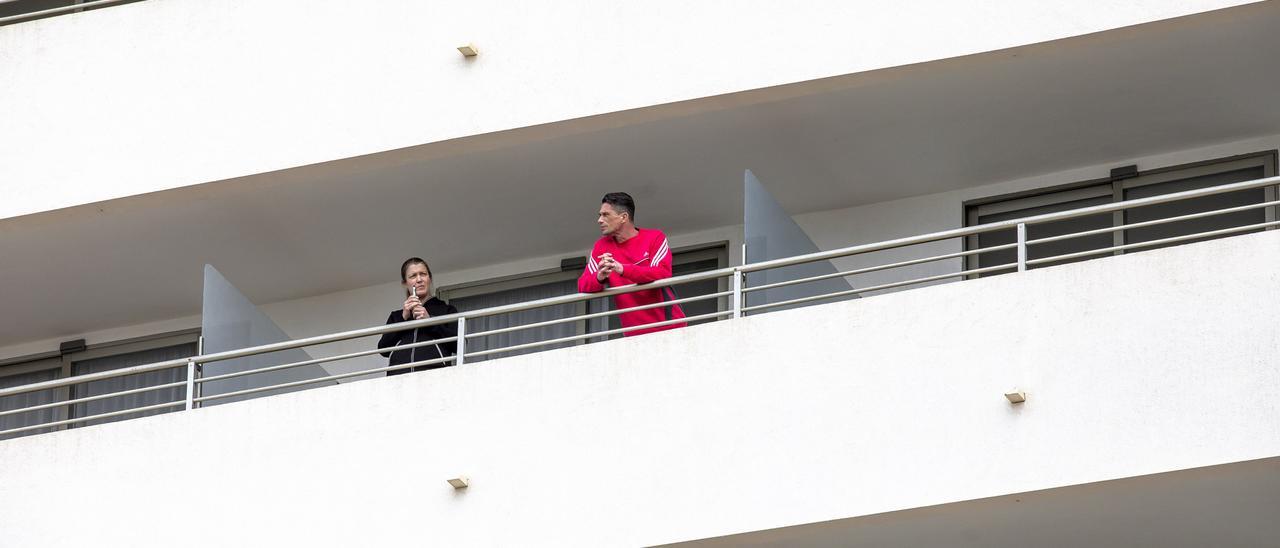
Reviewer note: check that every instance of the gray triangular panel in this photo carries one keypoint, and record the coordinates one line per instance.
(229, 322)
(770, 233)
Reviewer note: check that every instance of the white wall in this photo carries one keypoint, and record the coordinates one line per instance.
(1137, 364)
(205, 90)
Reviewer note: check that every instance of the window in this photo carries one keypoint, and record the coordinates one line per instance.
(115, 360)
(1146, 184)
(104, 357)
(30, 373)
(529, 287)
(518, 290)
(1039, 205)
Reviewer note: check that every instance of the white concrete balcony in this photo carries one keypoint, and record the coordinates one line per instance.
(306, 161)
(1133, 366)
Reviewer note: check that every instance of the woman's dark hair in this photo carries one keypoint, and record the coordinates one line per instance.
(620, 202)
(404, 268)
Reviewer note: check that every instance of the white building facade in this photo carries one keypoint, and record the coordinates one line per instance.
(305, 149)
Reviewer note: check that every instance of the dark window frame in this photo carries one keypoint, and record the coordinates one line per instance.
(64, 364)
(1116, 188)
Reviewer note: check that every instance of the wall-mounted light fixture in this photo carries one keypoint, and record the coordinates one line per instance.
(573, 264)
(1124, 172)
(460, 482)
(1016, 396)
(468, 50)
(69, 347)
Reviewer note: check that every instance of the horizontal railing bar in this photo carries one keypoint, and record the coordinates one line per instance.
(598, 334)
(881, 287)
(372, 331)
(359, 333)
(1170, 240)
(54, 11)
(1010, 223)
(594, 315)
(881, 267)
(631, 288)
(90, 377)
(56, 424)
(182, 362)
(93, 398)
(438, 320)
(324, 379)
(1152, 222)
(326, 359)
(330, 338)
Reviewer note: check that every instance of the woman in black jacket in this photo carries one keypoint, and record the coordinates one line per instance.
(415, 275)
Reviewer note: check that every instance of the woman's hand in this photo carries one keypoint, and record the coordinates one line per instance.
(411, 307)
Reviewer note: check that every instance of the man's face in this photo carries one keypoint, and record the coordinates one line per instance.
(609, 220)
(418, 278)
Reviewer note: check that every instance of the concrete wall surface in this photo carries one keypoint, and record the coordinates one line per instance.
(1137, 364)
(168, 93)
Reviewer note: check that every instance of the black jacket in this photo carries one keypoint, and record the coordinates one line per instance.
(435, 307)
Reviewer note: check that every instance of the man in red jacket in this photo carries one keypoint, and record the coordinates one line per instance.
(626, 255)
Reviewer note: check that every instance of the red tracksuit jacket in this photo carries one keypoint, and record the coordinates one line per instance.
(645, 257)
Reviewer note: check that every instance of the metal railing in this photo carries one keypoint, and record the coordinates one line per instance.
(61, 10)
(734, 297)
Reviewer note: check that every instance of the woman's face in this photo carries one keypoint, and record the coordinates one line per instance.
(417, 277)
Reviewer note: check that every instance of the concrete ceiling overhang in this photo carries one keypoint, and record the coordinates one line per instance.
(532, 192)
(1223, 506)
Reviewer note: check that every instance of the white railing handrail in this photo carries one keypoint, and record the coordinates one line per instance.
(732, 271)
(1011, 223)
(54, 11)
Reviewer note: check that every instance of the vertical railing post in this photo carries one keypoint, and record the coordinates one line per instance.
(462, 342)
(191, 383)
(1022, 247)
(737, 294)
(199, 372)
(1271, 194)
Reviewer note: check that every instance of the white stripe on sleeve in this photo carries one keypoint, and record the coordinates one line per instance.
(662, 252)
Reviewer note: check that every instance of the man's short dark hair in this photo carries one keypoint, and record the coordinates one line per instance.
(620, 202)
(410, 262)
